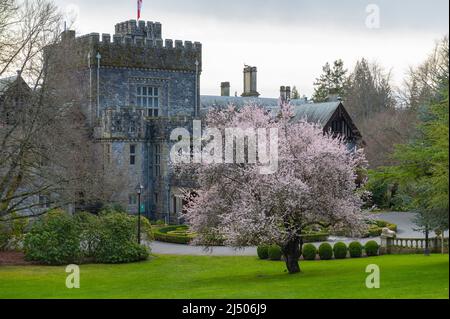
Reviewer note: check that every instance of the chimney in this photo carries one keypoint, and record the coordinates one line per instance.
(225, 89)
(288, 93)
(283, 93)
(250, 84)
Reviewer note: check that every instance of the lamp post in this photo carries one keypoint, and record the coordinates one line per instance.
(139, 189)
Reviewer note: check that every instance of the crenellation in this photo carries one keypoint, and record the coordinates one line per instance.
(139, 41)
(149, 43)
(122, 48)
(94, 37)
(106, 38)
(197, 46)
(169, 44)
(178, 44)
(127, 40)
(117, 39)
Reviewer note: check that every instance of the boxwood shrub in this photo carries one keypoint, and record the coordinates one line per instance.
(371, 248)
(176, 234)
(355, 248)
(325, 251)
(309, 252)
(340, 250)
(274, 252)
(263, 251)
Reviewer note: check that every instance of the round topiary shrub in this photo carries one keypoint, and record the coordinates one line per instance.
(340, 250)
(263, 251)
(355, 248)
(274, 252)
(309, 252)
(325, 251)
(371, 248)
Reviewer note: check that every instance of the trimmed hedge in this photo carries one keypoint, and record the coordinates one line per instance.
(263, 251)
(355, 248)
(315, 237)
(325, 251)
(309, 252)
(340, 250)
(274, 252)
(371, 248)
(175, 234)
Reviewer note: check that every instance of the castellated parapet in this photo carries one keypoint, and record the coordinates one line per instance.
(137, 46)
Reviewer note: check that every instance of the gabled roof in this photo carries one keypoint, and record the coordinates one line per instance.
(314, 112)
(5, 83)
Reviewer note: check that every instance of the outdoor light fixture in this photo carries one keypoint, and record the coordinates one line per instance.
(139, 190)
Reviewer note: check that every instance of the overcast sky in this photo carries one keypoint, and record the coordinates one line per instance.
(288, 40)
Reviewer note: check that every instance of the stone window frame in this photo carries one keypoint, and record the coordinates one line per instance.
(156, 148)
(132, 200)
(151, 96)
(133, 153)
(163, 89)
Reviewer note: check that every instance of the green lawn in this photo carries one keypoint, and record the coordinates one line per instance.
(402, 276)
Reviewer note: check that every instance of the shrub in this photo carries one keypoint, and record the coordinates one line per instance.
(12, 233)
(376, 227)
(263, 251)
(54, 239)
(309, 252)
(371, 248)
(340, 250)
(325, 251)
(274, 252)
(177, 234)
(355, 248)
(315, 237)
(118, 241)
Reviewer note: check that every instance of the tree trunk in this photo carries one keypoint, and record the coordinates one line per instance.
(291, 252)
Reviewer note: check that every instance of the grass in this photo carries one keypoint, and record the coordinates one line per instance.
(164, 276)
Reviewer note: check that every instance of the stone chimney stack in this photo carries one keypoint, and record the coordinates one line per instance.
(250, 84)
(285, 93)
(225, 89)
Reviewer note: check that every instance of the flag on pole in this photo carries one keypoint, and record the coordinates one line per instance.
(139, 7)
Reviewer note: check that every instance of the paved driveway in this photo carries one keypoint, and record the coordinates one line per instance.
(404, 222)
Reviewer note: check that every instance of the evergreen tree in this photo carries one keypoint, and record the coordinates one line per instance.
(332, 81)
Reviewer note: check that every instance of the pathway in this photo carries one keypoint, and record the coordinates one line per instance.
(404, 223)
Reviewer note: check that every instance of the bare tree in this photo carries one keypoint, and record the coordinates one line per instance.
(47, 147)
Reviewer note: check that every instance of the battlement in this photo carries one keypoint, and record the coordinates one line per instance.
(138, 46)
(149, 29)
(137, 42)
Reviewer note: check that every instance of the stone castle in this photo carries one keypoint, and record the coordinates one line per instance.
(138, 87)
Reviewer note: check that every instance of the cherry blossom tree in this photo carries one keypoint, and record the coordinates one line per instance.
(314, 183)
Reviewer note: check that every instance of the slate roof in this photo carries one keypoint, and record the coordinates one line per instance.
(313, 112)
(6, 82)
